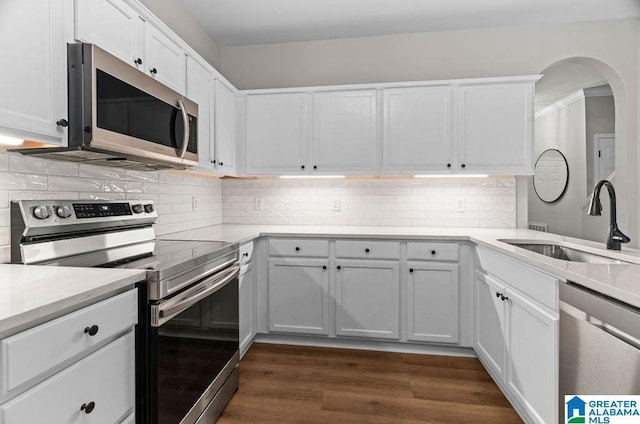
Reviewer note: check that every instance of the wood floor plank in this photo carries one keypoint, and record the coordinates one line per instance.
(310, 385)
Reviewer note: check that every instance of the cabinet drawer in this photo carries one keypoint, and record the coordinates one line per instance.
(364, 249)
(299, 247)
(34, 351)
(541, 287)
(106, 378)
(246, 253)
(428, 251)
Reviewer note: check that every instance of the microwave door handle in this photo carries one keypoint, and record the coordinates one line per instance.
(185, 135)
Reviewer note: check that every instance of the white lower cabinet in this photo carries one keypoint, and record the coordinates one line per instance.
(368, 299)
(247, 307)
(99, 389)
(517, 339)
(432, 302)
(299, 295)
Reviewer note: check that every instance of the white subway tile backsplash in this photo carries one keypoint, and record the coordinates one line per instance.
(150, 176)
(75, 184)
(17, 181)
(91, 171)
(33, 165)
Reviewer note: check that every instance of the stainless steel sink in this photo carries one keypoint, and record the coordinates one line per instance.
(565, 253)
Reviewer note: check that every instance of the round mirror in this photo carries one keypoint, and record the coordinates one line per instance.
(551, 176)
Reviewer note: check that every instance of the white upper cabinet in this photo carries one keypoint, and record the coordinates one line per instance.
(344, 132)
(33, 77)
(224, 128)
(276, 133)
(164, 59)
(114, 26)
(417, 130)
(200, 90)
(495, 128)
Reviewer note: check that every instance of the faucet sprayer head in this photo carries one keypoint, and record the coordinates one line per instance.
(595, 207)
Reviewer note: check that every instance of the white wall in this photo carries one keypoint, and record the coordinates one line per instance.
(611, 46)
(23, 177)
(174, 14)
(432, 202)
(563, 129)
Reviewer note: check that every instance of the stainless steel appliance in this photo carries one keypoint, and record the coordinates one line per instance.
(599, 345)
(188, 335)
(119, 116)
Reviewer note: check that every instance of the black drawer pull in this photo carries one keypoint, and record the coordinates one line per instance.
(302, 167)
(88, 407)
(297, 249)
(433, 252)
(324, 267)
(463, 165)
(367, 250)
(448, 165)
(92, 331)
(339, 267)
(411, 270)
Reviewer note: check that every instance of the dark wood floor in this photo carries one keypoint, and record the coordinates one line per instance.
(294, 384)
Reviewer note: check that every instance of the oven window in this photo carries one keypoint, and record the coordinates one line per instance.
(191, 349)
(127, 110)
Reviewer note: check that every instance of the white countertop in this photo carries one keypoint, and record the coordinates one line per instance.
(30, 295)
(619, 281)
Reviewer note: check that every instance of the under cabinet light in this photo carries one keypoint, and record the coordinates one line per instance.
(452, 176)
(10, 141)
(310, 176)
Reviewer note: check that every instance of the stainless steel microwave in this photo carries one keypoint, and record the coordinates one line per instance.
(119, 116)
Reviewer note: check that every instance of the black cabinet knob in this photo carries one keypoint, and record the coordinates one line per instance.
(245, 254)
(498, 294)
(221, 164)
(92, 331)
(315, 166)
(138, 61)
(448, 165)
(297, 249)
(213, 161)
(503, 297)
(62, 123)
(324, 267)
(463, 165)
(302, 167)
(411, 270)
(367, 250)
(433, 252)
(339, 267)
(153, 71)
(88, 407)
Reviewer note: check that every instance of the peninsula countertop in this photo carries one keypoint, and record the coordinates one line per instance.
(619, 281)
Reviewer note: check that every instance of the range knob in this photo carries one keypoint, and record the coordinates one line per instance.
(137, 208)
(148, 208)
(64, 211)
(41, 212)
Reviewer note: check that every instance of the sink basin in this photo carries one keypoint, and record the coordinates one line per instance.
(564, 253)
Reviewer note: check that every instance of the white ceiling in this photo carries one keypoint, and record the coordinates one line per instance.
(246, 22)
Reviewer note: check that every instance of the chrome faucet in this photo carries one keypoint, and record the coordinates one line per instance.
(616, 237)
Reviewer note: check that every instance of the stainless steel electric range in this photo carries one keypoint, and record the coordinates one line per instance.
(187, 337)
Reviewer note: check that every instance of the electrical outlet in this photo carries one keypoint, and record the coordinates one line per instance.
(459, 205)
(257, 203)
(194, 203)
(336, 205)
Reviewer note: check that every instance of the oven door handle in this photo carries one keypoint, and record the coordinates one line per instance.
(164, 311)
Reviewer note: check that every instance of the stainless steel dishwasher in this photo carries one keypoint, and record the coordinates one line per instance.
(599, 345)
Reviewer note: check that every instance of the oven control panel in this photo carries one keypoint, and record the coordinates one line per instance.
(64, 212)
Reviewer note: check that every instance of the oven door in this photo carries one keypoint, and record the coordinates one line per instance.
(193, 348)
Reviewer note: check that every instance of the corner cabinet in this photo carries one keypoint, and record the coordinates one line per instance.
(516, 335)
(495, 128)
(33, 36)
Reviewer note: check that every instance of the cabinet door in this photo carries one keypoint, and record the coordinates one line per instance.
(496, 129)
(489, 340)
(532, 373)
(247, 330)
(165, 60)
(432, 302)
(417, 130)
(33, 79)
(112, 25)
(299, 296)
(368, 299)
(344, 133)
(224, 127)
(276, 133)
(199, 89)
